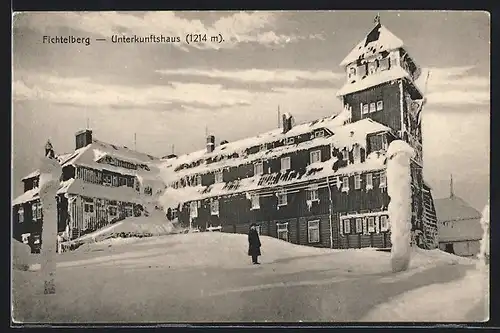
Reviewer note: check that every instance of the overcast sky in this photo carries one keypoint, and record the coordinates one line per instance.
(169, 93)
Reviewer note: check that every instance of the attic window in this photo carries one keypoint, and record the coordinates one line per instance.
(319, 133)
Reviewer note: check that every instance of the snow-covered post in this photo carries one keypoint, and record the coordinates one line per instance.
(398, 156)
(484, 253)
(50, 172)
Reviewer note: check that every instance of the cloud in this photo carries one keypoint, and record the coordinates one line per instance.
(85, 92)
(258, 75)
(236, 28)
(455, 86)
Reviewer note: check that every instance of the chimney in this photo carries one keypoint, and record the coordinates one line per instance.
(83, 138)
(287, 122)
(210, 143)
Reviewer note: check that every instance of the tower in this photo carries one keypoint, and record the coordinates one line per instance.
(383, 83)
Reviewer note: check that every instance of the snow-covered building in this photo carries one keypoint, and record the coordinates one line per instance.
(101, 183)
(459, 226)
(321, 183)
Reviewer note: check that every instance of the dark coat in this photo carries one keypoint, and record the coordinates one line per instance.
(253, 243)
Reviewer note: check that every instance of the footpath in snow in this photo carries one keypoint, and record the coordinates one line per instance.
(209, 277)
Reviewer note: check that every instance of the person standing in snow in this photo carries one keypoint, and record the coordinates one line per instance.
(254, 244)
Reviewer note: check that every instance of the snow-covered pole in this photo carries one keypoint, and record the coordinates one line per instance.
(50, 172)
(484, 253)
(398, 156)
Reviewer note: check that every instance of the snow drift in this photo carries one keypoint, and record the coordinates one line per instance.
(399, 190)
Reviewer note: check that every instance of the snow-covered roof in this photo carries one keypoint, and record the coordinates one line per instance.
(454, 208)
(343, 136)
(379, 39)
(123, 193)
(373, 80)
(32, 174)
(457, 220)
(27, 196)
(172, 197)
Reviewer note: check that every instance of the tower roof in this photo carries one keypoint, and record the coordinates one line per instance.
(379, 39)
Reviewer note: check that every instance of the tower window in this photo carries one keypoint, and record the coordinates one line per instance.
(380, 105)
(384, 64)
(361, 71)
(372, 107)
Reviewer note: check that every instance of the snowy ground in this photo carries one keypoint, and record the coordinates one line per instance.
(207, 277)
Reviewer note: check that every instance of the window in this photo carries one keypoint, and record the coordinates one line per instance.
(313, 231)
(282, 198)
(345, 183)
(148, 190)
(347, 226)
(385, 144)
(372, 67)
(282, 230)
(285, 163)
(369, 180)
(365, 108)
(219, 177)
(255, 201)
(320, 133)
(380, 105)
(129, 211)
(383, 179)
(371, 224)
(345, 154)
(263, 147)
(361, 70)
(88, 207)
(197, 180)
(115, 181)
(352, 73)
(20, 215)
(373, 107)
(258, 168)
(214, 207)
(312, 194)
(357, 154)
(315, 156)
(193, 209)
(384, 225)
(359, 225)
(384, 64)
(106, 180)
(112, 211)
(357, 182)
(290, 141)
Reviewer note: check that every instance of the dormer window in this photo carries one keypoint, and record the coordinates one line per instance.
(258, 168)
(384, 64)
(219, 177)
(285, 163)
(361, 71)
(263, 147)
(315, 156)
(290, 141)
(319, 133)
